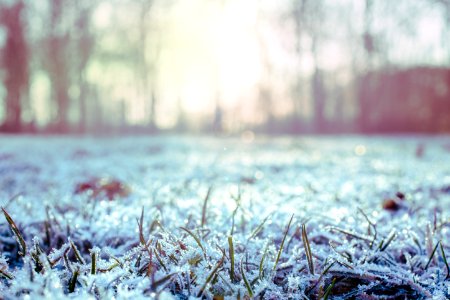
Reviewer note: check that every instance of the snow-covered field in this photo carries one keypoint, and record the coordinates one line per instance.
(216, 213)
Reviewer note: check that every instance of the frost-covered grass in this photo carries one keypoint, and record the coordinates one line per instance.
(180, 217)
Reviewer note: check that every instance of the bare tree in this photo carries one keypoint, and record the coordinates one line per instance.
(364, 93)
(218, 115)
(84, 47)
(15, 63)
(308, 19)
(147, 66)
(298, 14)
(446, 6)
(57, 62)
(318, 88)
(265, 87)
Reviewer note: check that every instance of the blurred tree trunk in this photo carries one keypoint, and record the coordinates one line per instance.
(318, 90)
(58, 64)
(218, 115)
(152, 112)
(364, 93)
(15, 63)
(299, 13)
(216, 126)
(182, 123)
(265, 85)
(446, 6)
(308, 21)
(96, 122)
(84, 46)
(146, 68)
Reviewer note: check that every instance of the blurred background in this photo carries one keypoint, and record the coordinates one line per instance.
(225, 66)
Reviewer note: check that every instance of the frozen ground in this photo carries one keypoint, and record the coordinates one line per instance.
(335, 186)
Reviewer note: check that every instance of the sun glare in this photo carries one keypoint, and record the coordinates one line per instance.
(211, 55)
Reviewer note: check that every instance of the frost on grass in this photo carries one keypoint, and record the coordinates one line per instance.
(178, 218)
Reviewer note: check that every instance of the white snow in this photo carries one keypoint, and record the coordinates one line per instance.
(324, 181)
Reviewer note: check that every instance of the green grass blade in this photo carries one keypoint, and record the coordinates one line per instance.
(321, 276)
(161, 281)
(259, 228)
(141, 229)
(231, 253)
(93, 263)
(307, 249)
(197, 240)
(246, 282)
(329, 288)
(73, 281)
(261, 263)
(4, 273)
(237, 199)
(160, 260)
(231, 289)
(383, 245)
(12, 199)
(112, 266)
(351, 234)
(16, 232)
(445, 261)
(205, 204)
(67, 263)
(431, 256)
(211, 276)
(282, 244)
(77, 253)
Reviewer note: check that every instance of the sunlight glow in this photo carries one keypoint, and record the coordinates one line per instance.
(211, 55)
